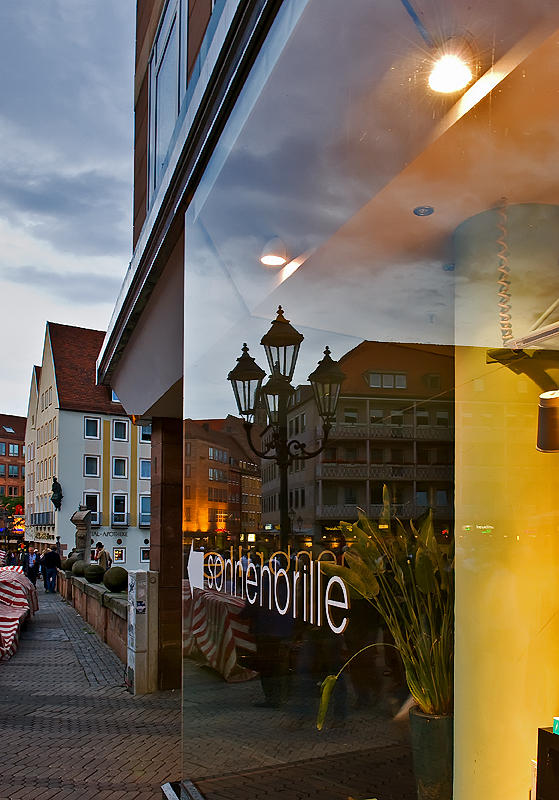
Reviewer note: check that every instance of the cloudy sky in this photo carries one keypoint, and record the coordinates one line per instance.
(66, 133)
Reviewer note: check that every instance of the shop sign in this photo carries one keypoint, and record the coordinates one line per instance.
(118, 534)
(19, 524)
(301, 589)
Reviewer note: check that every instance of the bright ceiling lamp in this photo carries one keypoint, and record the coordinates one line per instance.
(451, 69)
(274, 253)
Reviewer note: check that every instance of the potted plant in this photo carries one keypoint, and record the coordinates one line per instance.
(408, 576)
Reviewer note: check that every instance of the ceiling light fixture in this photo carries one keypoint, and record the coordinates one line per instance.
(274, 253)
(452, 67)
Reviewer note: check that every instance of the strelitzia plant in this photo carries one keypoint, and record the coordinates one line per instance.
(409, 578)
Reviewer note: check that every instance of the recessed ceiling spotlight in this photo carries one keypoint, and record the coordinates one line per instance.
(274, 253)
(423, 211)
(452, 67)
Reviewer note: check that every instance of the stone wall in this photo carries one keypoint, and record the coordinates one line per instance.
(105, 611)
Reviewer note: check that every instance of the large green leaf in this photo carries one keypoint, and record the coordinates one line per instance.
(326, 689)
(356, 585)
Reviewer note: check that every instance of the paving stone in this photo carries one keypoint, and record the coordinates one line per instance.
(68, 726)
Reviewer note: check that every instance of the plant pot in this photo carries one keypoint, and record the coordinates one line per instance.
(432, 749)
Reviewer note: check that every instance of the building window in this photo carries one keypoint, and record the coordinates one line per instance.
(120, 505)
(187, 493)
(13, 449)
(91, 428)
(120, 467)
(145, 433)
(12, 491)
(119, 555)
(388, 380)
(144, 555)
(50, 395)
(351, 416)
(187, 448)
(2, 490)
(2, 470)
(350, 495)
(421, 417)
(114, 398)
(145, 510)
(433, 381)
(422, 496)
(2, 448)
(441, 418)
(377, 456)
(91, 501)
(145, 468)
(396, 418)
(91, 466)
(13, 471)
(442, 497)
(167, 83)
(120, 430)
(187, 470)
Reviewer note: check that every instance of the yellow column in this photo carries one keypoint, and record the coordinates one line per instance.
(106, 516)
(507, 581)
(133, 475)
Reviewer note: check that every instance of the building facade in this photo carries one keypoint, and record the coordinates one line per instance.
(12, 456)
(78, 434)
(223, 485)
(397, 211)
(394, 428)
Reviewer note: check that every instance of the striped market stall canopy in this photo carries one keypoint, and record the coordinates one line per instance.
(18, 600)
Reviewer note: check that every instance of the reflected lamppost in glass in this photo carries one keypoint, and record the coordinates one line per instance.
(282, 343)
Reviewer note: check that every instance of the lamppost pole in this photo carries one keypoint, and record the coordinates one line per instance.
(283, 465)
(282, 344)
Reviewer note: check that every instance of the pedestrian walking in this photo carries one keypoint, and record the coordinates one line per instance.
(52, 562)
(43, 567)
(31, 564)
(102, 557)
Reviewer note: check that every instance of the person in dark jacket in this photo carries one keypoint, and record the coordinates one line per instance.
(51, 562)
(31, 564)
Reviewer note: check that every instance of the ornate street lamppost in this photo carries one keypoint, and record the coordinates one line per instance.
(282, 343)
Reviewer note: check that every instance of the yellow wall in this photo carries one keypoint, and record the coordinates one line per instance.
(106, 517)
(507, 582)
(133, 475)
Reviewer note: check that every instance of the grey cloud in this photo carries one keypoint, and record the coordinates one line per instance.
(81, 213)
(82, 287)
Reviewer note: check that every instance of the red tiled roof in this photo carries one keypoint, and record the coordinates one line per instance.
(11, 421)
(75, 352)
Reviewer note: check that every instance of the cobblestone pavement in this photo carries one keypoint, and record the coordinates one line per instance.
(68, 726)
(234, 751)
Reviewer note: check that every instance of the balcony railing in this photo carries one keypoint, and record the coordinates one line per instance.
(144, 519)
(438, 433)
(410, 472)
(120, 519)
(43, 518)
(404, 511)
(342, 470)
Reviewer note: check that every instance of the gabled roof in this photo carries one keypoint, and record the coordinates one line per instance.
(75, 351)
(12, 427)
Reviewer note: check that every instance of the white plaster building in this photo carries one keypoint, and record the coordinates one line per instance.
(79, 433)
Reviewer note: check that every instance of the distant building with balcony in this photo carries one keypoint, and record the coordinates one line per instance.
(79, 433)
(12, 462)
(394, 427)
(222, 483)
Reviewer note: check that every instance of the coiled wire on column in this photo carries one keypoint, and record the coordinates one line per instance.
(504, 273)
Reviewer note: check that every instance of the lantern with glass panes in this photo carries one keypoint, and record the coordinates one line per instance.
(282, 343)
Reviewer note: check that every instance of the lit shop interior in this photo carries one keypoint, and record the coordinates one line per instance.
(412, 208)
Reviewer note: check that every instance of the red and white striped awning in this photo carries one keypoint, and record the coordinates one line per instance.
(18, 599)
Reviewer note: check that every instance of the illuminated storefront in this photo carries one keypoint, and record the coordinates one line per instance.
(398, 212)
